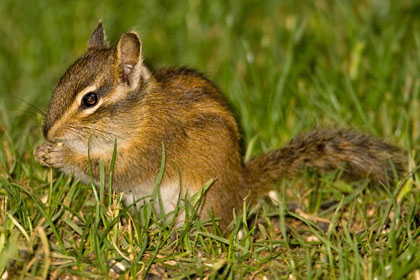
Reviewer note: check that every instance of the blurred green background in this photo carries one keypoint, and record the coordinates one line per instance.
(286, 66)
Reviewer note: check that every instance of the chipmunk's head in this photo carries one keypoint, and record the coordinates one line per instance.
(94, 97)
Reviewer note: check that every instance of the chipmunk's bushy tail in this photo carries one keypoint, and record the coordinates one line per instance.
(359, 156)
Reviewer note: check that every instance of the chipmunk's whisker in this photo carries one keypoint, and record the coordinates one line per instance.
(31, 108)
(90, 129)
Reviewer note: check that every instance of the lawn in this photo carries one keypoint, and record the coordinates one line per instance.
(286, 67)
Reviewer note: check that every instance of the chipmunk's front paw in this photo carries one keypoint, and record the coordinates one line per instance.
(51, 154)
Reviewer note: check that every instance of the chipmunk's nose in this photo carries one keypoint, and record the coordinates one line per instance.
(45, 130)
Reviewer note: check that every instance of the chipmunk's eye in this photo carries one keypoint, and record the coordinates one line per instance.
(90, 99)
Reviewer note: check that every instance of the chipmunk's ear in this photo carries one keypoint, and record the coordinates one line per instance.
(97, 40)
(128, 58)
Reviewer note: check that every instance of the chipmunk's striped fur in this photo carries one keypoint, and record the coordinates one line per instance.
(109, 94)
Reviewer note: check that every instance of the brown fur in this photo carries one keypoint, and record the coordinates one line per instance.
(186, 112)
(357, 155)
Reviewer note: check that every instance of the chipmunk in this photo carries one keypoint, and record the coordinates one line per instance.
(109, 95)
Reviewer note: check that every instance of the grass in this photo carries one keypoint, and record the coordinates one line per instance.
(286, 66)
